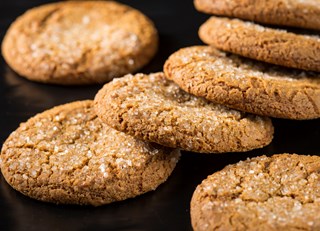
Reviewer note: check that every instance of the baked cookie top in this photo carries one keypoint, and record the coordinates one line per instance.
(245, 84)
(295, 13)
(262, 43)
(155, 109)
(262, 193)
(76, 42)
(66, 155)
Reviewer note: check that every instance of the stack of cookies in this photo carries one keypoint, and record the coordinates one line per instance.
(128, 140)
(241, 74)
(268, 72)
(201, 103)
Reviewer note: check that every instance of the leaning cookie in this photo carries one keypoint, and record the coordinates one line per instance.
(72, 43)
(262, 43)
(155, 109)
(244, 84)
(66, 155)
(263, 193)
(295, 13)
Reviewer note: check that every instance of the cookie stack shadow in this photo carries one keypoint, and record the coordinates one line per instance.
(208, 99)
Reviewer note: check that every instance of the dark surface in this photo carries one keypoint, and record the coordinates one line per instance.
(167, 208)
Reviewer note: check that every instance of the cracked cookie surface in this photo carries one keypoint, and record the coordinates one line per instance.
(296, 13)
(66, 155)
(261, 43)
(262, 193)
(155, 109)
(244, 84)
(74, 43)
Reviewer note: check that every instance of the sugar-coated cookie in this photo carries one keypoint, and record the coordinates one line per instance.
(245, 84)
(155, 109)
(263, 193)
(295, 13)
(66, 155)
(261, 43)
(72, 43)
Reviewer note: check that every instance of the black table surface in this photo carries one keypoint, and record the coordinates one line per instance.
(167, 208)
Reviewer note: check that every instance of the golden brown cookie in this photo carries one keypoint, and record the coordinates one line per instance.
(296, 13)
(79, 42)
(244, 84)
(262, 43)
(263, 193)
(155, 109)
(66, 155)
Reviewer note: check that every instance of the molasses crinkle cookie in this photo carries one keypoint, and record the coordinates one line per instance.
(155, 109)
(79, 42)
(66, 155)
(296, 13)
(245, 84)
(261, 43)
(263, 193)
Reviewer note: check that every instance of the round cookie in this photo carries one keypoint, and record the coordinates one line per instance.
(262, 43)
(72, 43)
(155, 109)
(244, 84)
(295, 13)
(66, 155)
(263, 193)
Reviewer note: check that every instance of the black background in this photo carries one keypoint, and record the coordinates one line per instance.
(167, 208)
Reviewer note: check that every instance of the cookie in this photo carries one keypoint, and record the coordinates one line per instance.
(295, 13)
(66, 155)
(245, 84)
(262, 43)
(155, 109)
(263, 193)
(73, 43)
